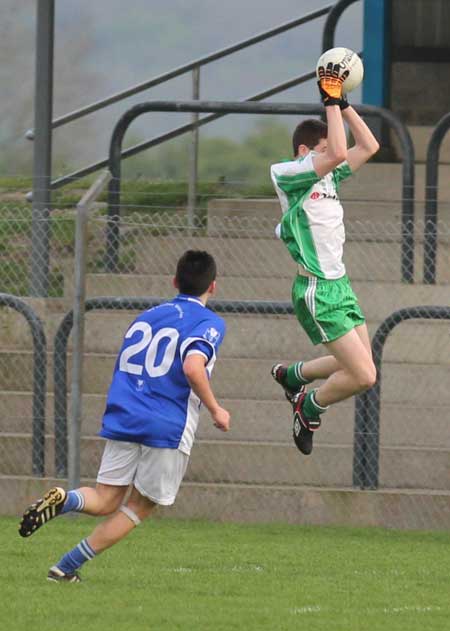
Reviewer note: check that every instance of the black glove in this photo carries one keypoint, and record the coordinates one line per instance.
(330, 84)
(343, 104)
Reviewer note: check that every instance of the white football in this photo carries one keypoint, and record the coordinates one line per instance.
(347, 60)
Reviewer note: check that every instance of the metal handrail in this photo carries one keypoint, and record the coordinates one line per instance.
(367, 411)
(39, 379)
(431, 200)
(178, 131)
(333, 17)
(176, 72)
(132, 304)
(239, 107)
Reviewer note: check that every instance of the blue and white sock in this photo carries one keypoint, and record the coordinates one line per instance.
(74, 502)
(74, 559)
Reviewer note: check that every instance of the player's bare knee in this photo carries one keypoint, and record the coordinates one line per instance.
(142, 510)
(140, 505)
(131, 514)
(109, 499)
(110, 507)
(366, 378)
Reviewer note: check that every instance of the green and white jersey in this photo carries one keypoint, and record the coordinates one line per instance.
(312, 226)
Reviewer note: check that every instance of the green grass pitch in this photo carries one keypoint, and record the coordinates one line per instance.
(196, 576)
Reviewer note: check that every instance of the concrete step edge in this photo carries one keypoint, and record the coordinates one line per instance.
(26, 352)
(244, 486)
(256, 443)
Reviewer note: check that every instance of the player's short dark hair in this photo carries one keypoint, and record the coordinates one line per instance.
(309, 133)
(196, 270)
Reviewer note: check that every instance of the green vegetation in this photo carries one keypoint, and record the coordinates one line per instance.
(154, 183)
(156, 180)
(15, 184)
(15, 234)
(196, 575)
(240, 164)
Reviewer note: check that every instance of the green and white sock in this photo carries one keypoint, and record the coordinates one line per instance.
(294, 377)
(311, 408)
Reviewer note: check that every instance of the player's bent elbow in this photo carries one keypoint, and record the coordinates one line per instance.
(338, 157)
(193, 366)
(189, 371)
(375, 147)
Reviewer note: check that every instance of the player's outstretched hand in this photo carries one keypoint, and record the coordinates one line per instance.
(330, 83)
(221, 419)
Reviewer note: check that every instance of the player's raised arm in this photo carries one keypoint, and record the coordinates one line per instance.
(194, 369)
(366, 145)
(330, 87)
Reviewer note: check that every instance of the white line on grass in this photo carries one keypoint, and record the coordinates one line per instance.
(390, 610)
(307, 609)
(235, 568)
(372, 610)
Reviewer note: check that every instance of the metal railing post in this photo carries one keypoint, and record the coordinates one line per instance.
(431, 200)
(42, 154)
(74, 439)
(333, 17)
(193, 154)
(367, 474)
(111, 261)
(60, 398)
(39, 380)
(359, 431)
(114, 164)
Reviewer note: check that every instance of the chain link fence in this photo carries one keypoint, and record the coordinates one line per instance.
(254, 471)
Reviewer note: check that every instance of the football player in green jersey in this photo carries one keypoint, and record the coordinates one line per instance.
(313, 231)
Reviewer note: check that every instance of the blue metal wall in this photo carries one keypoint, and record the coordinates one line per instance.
(376, 52)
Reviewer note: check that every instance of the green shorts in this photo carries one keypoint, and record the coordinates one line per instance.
(326, 309)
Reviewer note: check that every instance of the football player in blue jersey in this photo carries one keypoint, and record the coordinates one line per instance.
(160, 379)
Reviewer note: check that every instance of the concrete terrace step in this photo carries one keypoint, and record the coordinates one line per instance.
(374, 193)
(331, 465)
(378, 182)
(239, 378)
(369, 254)
(420, 135)
(247, 336)
(410, 509)
(257, 419)
(104, 329)
(281, 336)
(381, 294)
(243, 217)
(208, 462)
(241, 462)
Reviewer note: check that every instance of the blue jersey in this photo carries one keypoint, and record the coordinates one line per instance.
(150, 400)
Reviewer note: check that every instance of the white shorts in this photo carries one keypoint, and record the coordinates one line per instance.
(156, 473)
